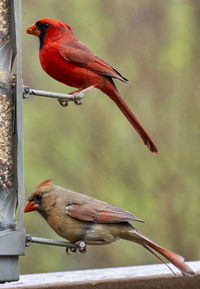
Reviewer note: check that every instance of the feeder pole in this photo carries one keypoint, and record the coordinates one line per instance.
(12, 233)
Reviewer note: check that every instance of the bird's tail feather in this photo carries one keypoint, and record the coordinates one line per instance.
(111, 90)
(154, 248)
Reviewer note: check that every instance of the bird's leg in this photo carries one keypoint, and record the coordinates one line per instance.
(75, 93)
(81, 91)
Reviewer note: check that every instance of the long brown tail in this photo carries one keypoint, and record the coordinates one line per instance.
(111, 90)
(174, 258)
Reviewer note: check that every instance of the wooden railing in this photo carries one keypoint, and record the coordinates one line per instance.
(138, 277)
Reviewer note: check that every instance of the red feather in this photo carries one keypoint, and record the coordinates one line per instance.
(45, 183)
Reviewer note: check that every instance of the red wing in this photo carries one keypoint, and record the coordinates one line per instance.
(106, 214)
(77, 52)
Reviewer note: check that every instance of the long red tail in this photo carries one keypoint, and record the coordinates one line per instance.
(111, 90)
(174, 258)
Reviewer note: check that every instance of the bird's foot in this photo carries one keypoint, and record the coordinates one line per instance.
(78, 101)
(80, 246)
(79, 94)
(71, 249)
(63, 102)
(77, 97)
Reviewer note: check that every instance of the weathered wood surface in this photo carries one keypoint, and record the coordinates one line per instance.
(137, 277)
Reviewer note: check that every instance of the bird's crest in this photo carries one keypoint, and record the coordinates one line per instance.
(55, 23)
(69, 27)
(45, 184)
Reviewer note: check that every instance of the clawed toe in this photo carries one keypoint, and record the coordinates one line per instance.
(78, 101)
(77, 97)
(63, 102)
(73, 250)
(67, 251)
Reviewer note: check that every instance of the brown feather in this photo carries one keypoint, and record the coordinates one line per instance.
(99, 213)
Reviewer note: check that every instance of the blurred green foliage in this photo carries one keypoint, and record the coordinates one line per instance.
(93, 149)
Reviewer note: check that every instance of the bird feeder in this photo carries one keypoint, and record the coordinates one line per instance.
(12, 232)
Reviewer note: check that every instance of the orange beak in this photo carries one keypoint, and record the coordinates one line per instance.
(30, 207)
(33, 29)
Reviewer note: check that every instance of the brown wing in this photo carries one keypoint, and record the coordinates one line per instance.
(77, 52)
(99, 213)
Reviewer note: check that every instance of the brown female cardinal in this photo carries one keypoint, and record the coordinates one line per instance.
(77, 217)
(69, 61)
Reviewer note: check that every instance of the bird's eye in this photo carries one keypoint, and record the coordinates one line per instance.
(38, 197)
(46, 25)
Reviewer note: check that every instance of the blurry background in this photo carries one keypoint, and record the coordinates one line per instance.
(92, 148)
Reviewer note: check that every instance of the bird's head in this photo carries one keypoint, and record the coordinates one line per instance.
(37, 201)
(49, 28)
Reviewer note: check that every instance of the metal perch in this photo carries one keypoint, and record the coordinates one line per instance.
(69, 97)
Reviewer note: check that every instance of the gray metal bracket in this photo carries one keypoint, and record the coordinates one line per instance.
(12, 242)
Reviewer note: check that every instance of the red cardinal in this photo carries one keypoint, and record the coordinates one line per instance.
(77, 217)
(69, 61)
